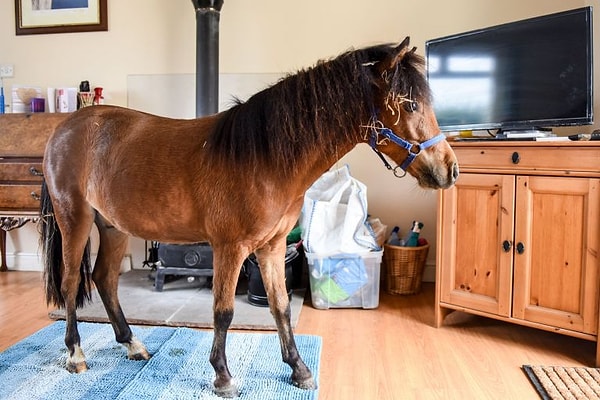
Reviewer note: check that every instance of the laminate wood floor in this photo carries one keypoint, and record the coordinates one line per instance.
(392, 352)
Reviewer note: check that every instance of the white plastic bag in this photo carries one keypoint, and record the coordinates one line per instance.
(334, 215)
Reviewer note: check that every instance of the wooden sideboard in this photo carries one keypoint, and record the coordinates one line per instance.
(23, 140)
(519, 236)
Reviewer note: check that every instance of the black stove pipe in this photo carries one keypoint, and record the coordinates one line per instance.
(177, 259)
(207, 56)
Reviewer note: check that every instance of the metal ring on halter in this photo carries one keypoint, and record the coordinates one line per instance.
(396, 174)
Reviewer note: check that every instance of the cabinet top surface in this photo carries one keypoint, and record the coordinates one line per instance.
(521, 143)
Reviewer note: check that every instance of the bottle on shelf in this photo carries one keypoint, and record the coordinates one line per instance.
(394, 238)
(98, 96)
(1, 96)
(1, 99)
(413, 237)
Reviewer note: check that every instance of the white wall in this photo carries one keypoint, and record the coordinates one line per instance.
(256, 36)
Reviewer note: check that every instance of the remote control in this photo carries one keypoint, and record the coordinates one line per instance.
(586, 136)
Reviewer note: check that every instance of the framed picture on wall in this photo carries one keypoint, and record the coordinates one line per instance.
(34, 17)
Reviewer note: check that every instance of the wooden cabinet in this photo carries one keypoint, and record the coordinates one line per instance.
(519, 235)
(23, 140)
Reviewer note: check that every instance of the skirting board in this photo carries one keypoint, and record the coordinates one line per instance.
(33, 262)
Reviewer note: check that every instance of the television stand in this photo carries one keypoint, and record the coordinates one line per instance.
(532, 211)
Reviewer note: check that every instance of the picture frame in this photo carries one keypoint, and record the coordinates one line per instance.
(33, 17)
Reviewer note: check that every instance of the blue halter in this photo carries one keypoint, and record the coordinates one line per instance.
(413, 150)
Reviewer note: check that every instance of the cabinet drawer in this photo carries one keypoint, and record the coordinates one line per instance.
(19, 197)
(21, 171)
(555, 160)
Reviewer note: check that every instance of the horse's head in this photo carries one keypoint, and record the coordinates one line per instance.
(403, 125)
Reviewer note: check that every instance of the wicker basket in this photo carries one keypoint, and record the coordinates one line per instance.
(404, 268)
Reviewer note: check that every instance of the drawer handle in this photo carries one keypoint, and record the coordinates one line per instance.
(35, 196)
(35, 172)
(515, 157)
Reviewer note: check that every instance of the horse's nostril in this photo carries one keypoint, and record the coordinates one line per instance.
(454, 171)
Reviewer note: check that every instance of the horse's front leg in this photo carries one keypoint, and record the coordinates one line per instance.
(227, 262)
(271, 259)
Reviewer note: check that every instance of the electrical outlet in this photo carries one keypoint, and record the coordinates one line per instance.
(6, 70)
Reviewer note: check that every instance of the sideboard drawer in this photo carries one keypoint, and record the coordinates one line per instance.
(21, 171)
(20, 197)
(536, 158)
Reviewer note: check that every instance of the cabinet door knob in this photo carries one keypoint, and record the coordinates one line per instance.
(506, 245)
(520, 248)
(35, 172)
(515, 157)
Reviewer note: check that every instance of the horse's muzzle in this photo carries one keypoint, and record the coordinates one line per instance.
(438, 178)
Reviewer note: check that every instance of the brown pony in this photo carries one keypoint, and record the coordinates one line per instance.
(235, 179)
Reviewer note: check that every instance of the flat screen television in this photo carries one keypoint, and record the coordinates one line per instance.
(530, 74)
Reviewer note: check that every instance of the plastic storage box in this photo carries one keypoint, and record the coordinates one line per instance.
(344, 280)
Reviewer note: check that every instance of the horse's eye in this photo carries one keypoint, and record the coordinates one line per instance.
(411, 106)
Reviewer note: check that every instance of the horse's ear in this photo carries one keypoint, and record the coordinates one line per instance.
(396, 56)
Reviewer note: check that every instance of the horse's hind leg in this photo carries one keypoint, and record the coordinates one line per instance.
(75, 222)
(227, 264)
(271, 259)
(113, 244)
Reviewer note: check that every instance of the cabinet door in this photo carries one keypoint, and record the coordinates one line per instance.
(478, 217)
(556, 271)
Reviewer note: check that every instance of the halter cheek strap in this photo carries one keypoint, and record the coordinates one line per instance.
(413, 150)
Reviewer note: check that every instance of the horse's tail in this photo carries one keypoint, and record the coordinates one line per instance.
(52, 256)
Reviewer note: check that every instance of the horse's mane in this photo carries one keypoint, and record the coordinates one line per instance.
(314, 109)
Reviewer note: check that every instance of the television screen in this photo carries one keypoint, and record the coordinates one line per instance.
(527, 74)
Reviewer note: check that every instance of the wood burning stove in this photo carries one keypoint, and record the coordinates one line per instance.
(188, 259)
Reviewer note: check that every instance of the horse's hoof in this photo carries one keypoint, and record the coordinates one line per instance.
(307, 383)
(139, 356)
(136, 350)
(77, 368)
(229, 391)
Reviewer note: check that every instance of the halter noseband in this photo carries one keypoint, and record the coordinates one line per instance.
(389, 134)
